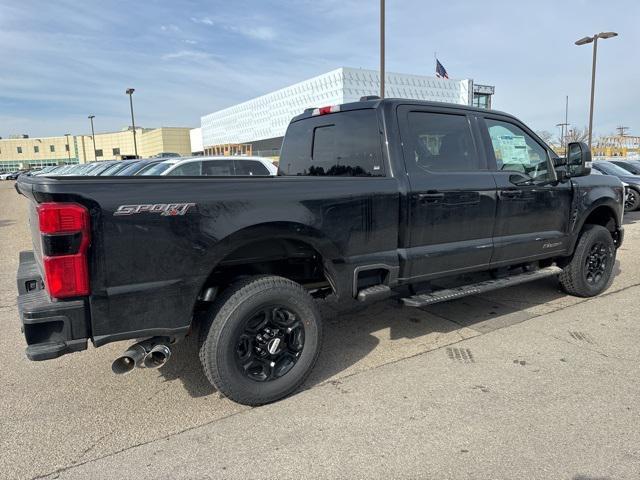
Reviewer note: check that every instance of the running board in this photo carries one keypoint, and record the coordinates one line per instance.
(480, 287)
(371, 294)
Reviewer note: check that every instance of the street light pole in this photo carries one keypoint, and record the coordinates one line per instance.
(382, 35)
(593, 86)
(133, 122)
(594, 40)
(93, 137)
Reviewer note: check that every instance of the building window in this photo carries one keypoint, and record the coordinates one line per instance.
(66, 147)
(52, 148)
(482, 100)
(36, 149)
(99, 152)
(116, 151)
(19, 149)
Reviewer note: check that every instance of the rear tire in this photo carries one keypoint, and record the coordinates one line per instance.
(590, 270)
(261, 341)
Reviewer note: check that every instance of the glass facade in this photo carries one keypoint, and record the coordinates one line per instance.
(12, 166)
(482, 100)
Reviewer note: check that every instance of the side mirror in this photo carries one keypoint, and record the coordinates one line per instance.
(559, 162)
(578, 159)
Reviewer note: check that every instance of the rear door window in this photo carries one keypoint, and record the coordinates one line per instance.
(218, 168)
(340, 144)
(250, 167)
(190, 169)
(439, 142)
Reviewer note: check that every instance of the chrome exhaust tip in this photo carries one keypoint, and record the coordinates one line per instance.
(157, 356)
(133, 357)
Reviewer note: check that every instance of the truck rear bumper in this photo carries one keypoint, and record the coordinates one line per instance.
(51, 328)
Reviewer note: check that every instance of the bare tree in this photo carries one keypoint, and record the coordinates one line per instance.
(545, 135)
(575, 134)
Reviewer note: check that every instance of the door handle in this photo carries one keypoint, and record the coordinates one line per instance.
(511, 193)
(430, 197)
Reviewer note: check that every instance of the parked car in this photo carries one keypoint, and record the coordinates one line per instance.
(631, 166)
(138, 167)
(213, 167)
(373, 199)
(632, 201)
(46, 170)
(166, 155)
(15, 175)
(5, 175)
(117, 167)
(627, 191)
(73, 169)
(101, 166)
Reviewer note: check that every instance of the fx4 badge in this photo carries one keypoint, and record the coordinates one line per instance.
(164, 209)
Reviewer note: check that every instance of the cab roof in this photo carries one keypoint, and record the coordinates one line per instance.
(377, 102)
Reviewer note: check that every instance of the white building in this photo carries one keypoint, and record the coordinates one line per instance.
(195, 137)
(263, 121)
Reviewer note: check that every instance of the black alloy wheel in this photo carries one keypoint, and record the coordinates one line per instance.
(596, 263)
(271, 343)
(631, 200)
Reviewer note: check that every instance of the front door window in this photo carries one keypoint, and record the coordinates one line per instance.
(517, 151)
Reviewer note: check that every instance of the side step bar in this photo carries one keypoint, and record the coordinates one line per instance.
(371, 294)
(480, 287)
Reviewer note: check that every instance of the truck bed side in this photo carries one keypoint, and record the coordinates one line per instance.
(147, 269)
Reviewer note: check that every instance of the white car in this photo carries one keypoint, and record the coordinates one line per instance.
(213, 167)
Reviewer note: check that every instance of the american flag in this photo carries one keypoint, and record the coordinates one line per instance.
(440, 70)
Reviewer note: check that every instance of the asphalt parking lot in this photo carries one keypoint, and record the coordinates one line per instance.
(520, 383)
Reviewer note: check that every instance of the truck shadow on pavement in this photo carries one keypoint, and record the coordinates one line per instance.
(358, 337)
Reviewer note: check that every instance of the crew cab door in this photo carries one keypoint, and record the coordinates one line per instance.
(452, 202)
(533, 207)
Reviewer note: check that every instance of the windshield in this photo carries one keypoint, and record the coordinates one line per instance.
(156, 169)
(133, 168)
(99, 169)
(113, 168)
(611, 169)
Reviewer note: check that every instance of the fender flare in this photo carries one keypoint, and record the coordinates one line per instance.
(272, 231)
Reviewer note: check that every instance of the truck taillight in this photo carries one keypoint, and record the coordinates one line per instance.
(65, 232)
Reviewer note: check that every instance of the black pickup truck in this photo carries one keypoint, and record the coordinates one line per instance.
(374, 199)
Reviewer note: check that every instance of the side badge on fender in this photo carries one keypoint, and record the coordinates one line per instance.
(164, 209)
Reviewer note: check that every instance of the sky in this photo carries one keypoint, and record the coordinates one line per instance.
(61, 61)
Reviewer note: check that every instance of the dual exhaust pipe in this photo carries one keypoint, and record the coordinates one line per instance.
(151, 353)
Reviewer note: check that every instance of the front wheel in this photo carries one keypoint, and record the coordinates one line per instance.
(262, 340)
(590, 270)
(631, 200)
